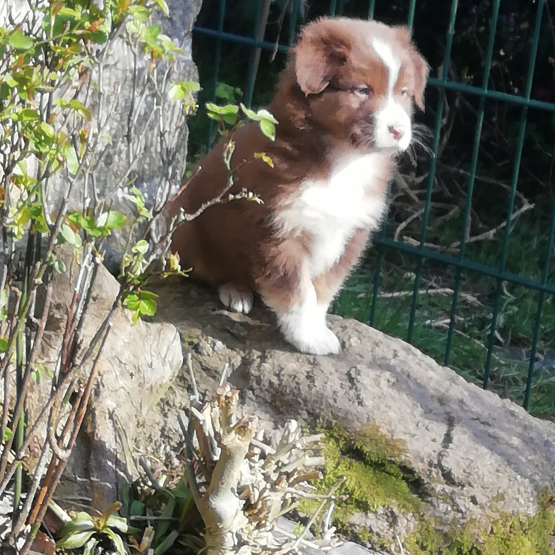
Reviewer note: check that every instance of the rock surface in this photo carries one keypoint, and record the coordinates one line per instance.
(475, 454)
(136, 366)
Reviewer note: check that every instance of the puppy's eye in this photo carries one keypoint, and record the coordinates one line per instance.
(363, 91)
(404, 91)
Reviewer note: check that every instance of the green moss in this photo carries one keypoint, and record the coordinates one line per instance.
(368, 460)
(508, 535)
(375, 476)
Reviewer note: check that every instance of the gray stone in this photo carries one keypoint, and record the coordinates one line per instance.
(136, 366)
(151, 152)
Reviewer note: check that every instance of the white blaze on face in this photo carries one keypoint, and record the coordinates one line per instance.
(392, 122)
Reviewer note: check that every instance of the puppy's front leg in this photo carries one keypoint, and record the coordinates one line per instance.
(301, 318)
(328, 284)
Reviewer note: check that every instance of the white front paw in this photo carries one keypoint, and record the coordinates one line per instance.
(319, 341)
(235, 299)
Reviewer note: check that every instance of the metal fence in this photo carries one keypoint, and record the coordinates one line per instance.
(219, 36)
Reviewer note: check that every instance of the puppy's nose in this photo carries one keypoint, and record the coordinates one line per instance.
(397, 131)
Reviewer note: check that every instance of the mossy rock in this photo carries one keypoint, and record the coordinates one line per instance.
(376, 477)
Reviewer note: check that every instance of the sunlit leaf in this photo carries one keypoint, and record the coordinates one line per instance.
(75, 540)
(268, 128)
(265, 158)
(141, 247)
(116, 220)
(118, 542)
(163, 5)
(19, 41)
(148, 307)
(70, 236)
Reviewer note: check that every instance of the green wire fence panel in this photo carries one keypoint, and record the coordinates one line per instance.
(463, 267)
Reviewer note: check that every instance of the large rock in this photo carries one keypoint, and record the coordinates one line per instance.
(144, 132)
(136, 366)
(475, 455)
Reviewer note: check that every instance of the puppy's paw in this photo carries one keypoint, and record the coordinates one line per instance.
(319, 341)
(238, 300)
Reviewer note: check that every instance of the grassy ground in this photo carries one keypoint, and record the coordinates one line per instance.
(517, 317)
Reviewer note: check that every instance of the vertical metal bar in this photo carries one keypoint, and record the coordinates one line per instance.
(371, 7)
(472, 177)
(512, 195)
(254, 59)
(412, 8)
(376, 286)
(435, 146)
(217, 63)
(541, 299)
(294, 19)
(333, 7)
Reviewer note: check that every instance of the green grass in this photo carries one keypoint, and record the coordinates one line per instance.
(516, 320)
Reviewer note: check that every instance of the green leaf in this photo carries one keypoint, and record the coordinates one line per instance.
(137, 508)
(167, 512)
(148, 307)
(148, 295)
(27, 114)
(82, 522)
(141, 247)
(222, 110)
(8, 434)
(167, 543)
(163, 5)
(178, 91)
(249, 113)
(3, 344)
(113, 508)
(70, 236)
(132, 301)
(117, 522)
(19, 41)
(227, 92)
(230, 118)
(118, 542)
(60, 267)
(75, 105)
(75, 540)
(90, 547)
(72, 161)
(116, 220)
(265, 115)
(47, 129)
(268, 128)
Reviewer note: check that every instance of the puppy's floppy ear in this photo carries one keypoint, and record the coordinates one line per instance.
(419, 66)
(322, 49)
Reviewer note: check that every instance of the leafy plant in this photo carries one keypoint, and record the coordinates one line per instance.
(87, 531)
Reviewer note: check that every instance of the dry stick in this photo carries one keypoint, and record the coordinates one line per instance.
(406, 223)
(155, 484)
(490, 234)
(445, 324)
(191, 478)
(315, 515)
(441, 291)
(45, 495)
(26, 380)
(30, 494)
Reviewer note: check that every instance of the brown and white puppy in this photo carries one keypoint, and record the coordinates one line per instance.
(344, 108)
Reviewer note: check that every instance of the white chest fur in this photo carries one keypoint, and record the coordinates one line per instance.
(331, 211)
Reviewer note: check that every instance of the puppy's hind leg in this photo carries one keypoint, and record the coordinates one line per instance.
(238, 299)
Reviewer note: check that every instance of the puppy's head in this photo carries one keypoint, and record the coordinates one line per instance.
(361, 79)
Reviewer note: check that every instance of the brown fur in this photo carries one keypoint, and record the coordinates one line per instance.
(319, 118)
